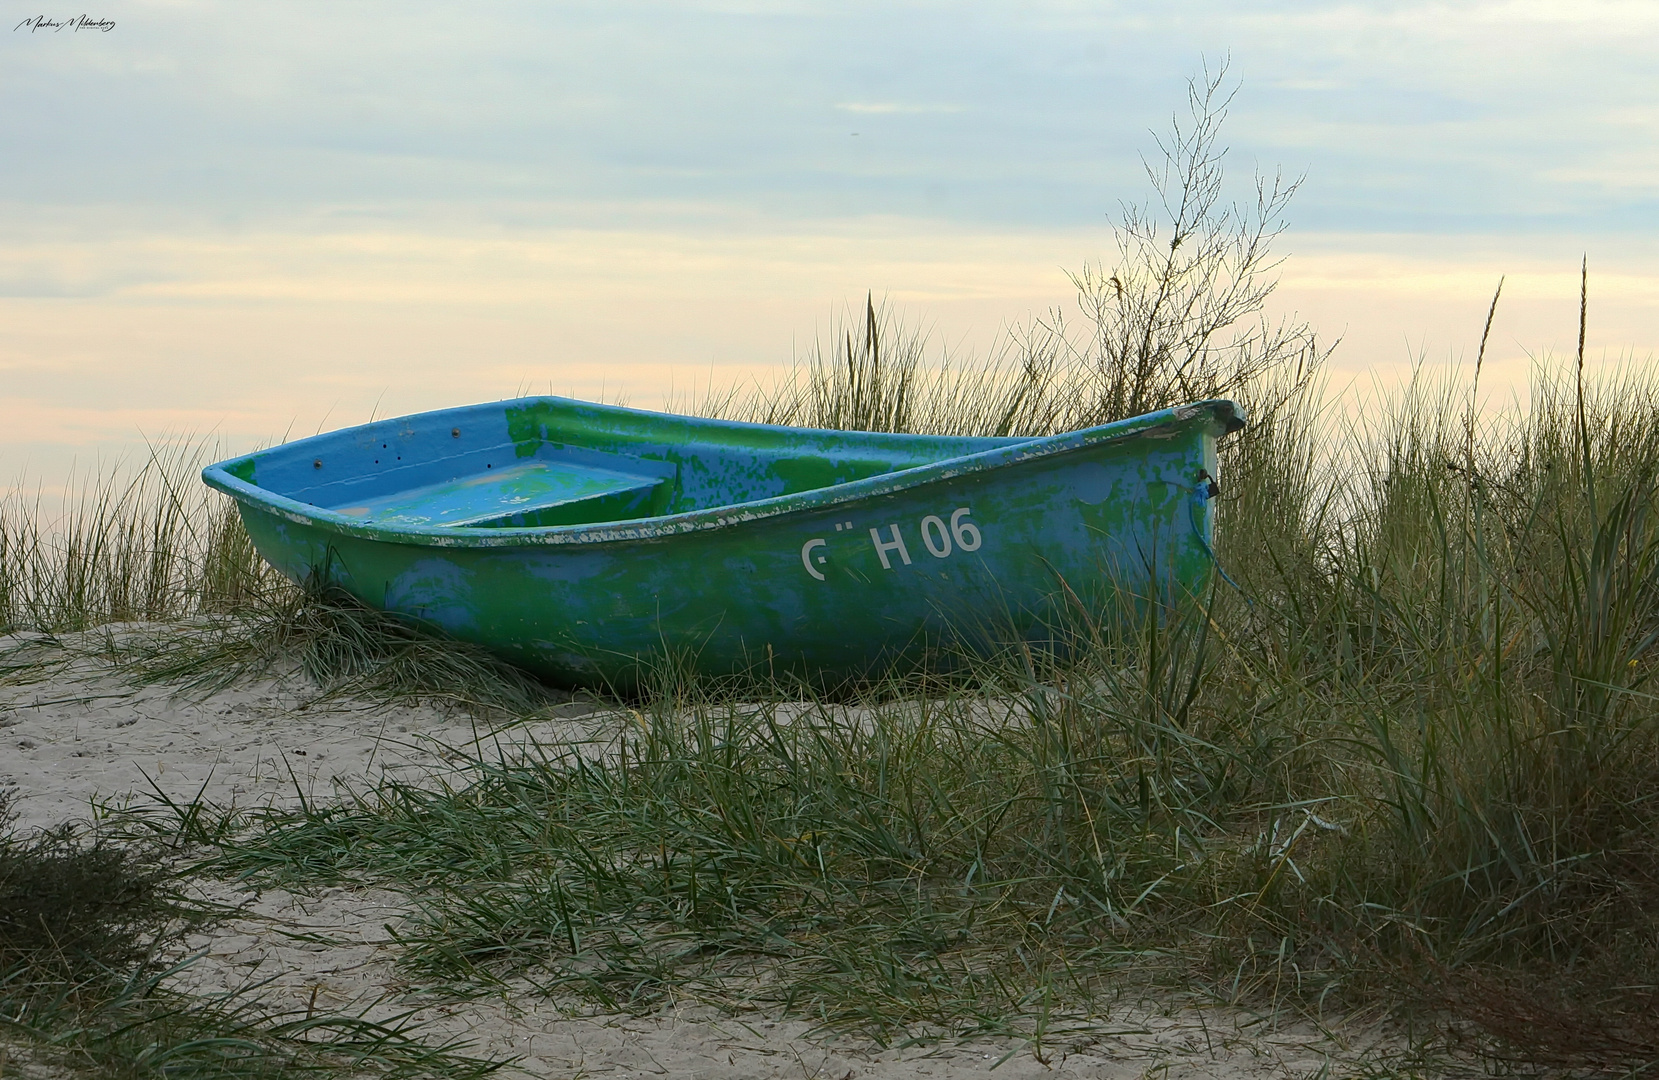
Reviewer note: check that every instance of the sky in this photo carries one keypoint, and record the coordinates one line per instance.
(244, 222)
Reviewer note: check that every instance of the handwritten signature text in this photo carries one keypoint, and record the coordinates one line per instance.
(36, 23)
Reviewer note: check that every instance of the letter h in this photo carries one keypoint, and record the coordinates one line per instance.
(884, 546)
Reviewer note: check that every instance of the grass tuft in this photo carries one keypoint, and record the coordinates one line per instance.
(75, 905)
(337, 644)
(146, 544)
(82, 924)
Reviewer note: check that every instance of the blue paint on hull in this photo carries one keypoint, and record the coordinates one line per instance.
(764, 553)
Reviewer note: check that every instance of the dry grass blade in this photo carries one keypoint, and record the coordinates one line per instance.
(340, 646)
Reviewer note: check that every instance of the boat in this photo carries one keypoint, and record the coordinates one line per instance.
(590, 544)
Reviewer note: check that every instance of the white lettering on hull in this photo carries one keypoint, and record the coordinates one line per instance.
(941, 540)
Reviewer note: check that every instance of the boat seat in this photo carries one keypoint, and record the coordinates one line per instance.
(525, 495)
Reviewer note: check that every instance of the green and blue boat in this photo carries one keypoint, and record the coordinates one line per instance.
(587, 543)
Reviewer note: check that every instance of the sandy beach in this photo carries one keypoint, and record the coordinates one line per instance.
(77, 734)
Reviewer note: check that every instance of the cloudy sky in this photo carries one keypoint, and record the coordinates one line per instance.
(257, 219)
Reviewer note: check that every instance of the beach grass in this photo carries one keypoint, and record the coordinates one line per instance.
(90, 930)
(1406, 761)
(127, 544)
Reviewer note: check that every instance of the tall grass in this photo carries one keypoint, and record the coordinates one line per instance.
(1178, 317)
(132, 544)
(1410, 760)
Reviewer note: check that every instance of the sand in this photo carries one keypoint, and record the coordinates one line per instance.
(78, 734)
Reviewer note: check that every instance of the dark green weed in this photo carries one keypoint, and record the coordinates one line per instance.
(83, 920)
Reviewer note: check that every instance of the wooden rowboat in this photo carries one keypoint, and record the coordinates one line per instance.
(585, 542)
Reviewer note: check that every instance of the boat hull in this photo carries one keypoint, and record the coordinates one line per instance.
(894, 572)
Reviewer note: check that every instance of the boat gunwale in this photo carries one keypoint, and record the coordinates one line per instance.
(217, 476)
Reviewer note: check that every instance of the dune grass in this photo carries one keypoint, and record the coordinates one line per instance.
(329, 638)
(1408, 763)
(130, 544)
(1411, 761)
(84, 924)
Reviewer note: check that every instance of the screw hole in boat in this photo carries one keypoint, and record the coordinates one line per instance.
(317, 464)
(455, 433)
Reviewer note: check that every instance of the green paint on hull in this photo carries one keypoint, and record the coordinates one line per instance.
(830, 555)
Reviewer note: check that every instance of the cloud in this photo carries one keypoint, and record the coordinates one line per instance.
(1399, 113)
(1311, 85)
(894, 107)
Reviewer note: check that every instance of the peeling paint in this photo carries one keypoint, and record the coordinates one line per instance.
(829, 554)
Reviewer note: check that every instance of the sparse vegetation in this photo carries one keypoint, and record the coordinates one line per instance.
(84, 921)
(337, 644)
(1412, 762)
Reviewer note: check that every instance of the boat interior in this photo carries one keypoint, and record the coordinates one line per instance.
(539, 462)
